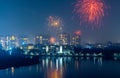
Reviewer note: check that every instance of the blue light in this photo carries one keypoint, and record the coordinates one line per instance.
(10, 52)
(88, 46)
(10, 48)
(23, 43)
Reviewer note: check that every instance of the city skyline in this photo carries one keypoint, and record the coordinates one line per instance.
(30, 18)
(59, 38)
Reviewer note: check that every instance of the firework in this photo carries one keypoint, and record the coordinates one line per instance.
(90, 11)
(78, 32)
(54, 21)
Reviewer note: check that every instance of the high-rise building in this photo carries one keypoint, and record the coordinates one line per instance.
(23, 40)
(76, 39)
(64, 38)
(2, 41)
(8, 42)
(13, 42)
(41, 39)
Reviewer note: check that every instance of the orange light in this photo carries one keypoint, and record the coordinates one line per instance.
(52, 40)
(54, 21)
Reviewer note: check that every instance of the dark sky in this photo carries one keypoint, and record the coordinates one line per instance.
(29, 17)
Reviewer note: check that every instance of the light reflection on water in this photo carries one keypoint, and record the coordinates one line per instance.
(59, 67)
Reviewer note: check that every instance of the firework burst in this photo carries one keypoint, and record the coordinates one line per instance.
(54, 21)
(90, 11)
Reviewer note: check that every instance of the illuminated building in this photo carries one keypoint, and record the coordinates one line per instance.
(41, 39)
(27, 47)
(64, 39)
(30, 46)
(76, 39)
(13, 42)
(2, 41)
(8, 42)
(23, 40)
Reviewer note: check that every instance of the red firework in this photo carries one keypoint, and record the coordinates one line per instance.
(78, 32)
(91, 11)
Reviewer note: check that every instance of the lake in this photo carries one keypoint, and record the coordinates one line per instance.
(66, 67)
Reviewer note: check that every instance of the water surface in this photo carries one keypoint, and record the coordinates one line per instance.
(66, 67)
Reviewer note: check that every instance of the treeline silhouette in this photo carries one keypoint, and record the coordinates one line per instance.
(16, 59)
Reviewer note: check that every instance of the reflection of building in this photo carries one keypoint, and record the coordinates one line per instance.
(64, 39)
(76, 39)
(40, 39)
(54, 67)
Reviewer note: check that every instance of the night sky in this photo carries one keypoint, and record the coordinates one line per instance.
(28, 17)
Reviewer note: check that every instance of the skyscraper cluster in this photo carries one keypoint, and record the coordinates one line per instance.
(9, 42)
